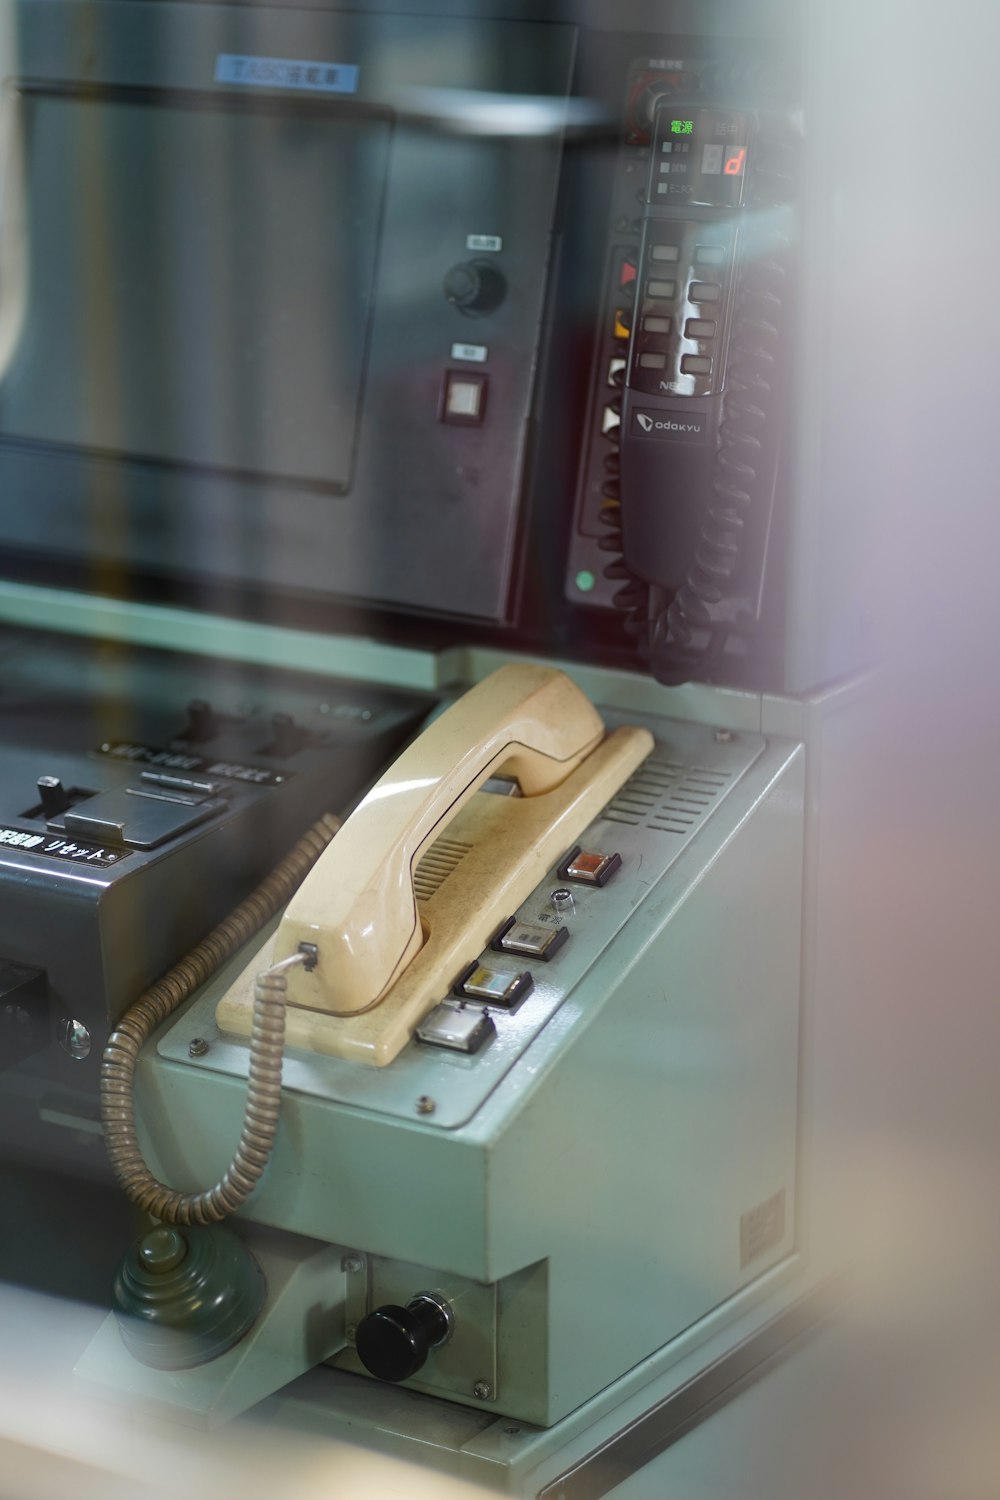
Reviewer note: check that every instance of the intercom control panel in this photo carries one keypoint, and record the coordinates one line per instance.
(502, 997)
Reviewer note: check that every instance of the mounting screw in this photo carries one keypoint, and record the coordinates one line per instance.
(482, 1390)
(350, 1331)
(197, 1046)
(511, 1430)
(426, 1105)
(352, 1263)
(724, 736)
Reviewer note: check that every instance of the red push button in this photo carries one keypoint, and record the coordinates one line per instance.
(589, 867)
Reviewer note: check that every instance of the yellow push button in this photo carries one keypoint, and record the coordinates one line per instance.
(486, 985)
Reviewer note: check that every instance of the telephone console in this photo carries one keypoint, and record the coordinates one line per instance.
(450, 1011)
(546, 981)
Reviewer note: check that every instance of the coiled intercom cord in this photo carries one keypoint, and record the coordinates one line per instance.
(260, 1120)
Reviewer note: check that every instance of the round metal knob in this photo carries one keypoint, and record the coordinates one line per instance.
(475, 287)
(393, 1342)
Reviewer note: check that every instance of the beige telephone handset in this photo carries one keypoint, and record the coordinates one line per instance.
(387, 952)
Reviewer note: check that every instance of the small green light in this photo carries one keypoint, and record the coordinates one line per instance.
(585, 581)
(681, 127)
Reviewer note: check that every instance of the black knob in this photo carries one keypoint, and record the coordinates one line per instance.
(393, 1342)
(203, 722)
(475, 287)
(289, 737)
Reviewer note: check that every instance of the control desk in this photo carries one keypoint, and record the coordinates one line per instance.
(422, 692)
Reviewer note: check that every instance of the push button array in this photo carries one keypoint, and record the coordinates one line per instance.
(462, 1023)
(682, 278)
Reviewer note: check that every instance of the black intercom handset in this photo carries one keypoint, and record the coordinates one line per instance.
(703, 384)
(691, 375)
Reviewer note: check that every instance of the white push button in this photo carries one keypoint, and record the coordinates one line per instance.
(464, 397)
(530, 940)
(456, 1027)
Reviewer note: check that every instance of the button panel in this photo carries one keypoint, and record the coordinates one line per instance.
(677, 351)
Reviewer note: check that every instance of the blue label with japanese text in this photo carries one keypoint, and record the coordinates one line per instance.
(287, 73)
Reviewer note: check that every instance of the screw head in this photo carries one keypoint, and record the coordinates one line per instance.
(197, 1046)
(426, 1105)
(352, 1263)
(350, 1331)
(482, 1390)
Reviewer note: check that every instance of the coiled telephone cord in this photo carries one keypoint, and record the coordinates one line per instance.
(263, 1103)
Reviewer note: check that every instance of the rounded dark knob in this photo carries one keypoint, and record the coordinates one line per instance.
(183, 1298)
(393, 1342)
(475, 287)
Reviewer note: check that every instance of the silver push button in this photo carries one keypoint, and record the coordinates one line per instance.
(589, 867)
(530, 939)
(456, 1027)
(481, 983)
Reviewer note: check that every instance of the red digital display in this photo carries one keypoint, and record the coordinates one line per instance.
(735, 161)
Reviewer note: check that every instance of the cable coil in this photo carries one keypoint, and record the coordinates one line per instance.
(263, 1103)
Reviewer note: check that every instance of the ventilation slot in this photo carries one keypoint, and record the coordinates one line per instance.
(667, 797)
(444, 856)
(643, 792)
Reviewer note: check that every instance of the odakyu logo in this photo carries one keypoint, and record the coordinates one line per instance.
(668, 424)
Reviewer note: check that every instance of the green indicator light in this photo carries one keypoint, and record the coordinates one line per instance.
(681, 127)
(585, 581)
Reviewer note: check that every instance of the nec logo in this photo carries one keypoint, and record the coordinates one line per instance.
(664, 424)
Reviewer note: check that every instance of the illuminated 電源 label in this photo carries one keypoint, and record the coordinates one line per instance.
(287, 73)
